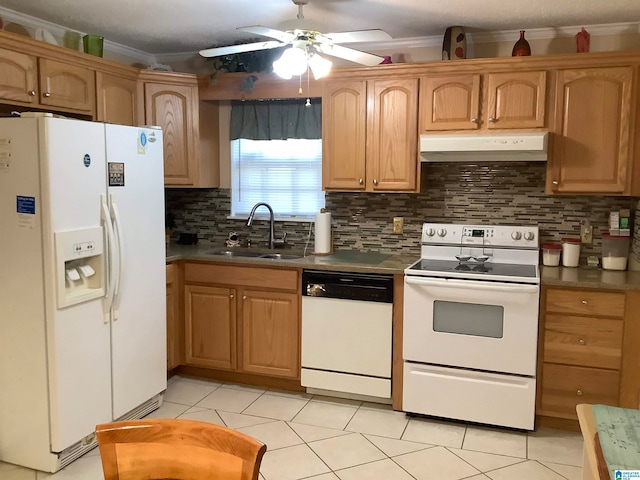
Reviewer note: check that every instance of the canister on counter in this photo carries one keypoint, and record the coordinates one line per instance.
(551, 254)
(570, 252)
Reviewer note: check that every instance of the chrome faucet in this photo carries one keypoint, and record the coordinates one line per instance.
(253, 212)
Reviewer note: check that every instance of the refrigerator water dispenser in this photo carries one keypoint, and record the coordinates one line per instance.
(79, 266)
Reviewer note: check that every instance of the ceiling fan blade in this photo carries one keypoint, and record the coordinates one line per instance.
(351, 54)
(373, 35)
(284, 37)
(245, 47)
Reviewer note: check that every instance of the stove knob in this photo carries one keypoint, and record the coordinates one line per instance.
(442, 232)
(431, 232)
(529, 236)
(516, 235)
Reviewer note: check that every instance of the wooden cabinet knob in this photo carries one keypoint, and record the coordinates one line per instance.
(231, 296)
(32, 93)
(474, 120)
(579, 393)
(244, 297)
(584, 302)
(582, 342)
(555, 182)
(46, 94)
(492, 120)
(375, 182)
(360, 181)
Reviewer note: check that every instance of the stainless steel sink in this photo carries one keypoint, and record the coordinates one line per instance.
(233, 253)
(280, 256)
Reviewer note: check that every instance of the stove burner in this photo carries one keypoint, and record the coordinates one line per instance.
(471, 267)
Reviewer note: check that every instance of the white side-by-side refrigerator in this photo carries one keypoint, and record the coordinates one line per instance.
(82, 283)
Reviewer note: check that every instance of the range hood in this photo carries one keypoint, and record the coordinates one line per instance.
(475, 148)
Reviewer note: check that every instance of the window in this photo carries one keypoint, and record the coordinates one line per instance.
(286, 174)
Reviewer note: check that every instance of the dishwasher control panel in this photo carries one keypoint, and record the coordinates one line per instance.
(348, 286)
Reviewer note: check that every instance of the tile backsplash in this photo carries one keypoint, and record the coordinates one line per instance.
(493, 193)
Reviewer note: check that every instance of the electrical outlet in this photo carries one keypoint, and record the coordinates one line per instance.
(586, 234)
(398, 225)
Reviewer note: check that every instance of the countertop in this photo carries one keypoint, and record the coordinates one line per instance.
(374, 262)
(343, 260)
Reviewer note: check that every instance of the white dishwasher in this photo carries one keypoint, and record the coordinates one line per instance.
(347, 332)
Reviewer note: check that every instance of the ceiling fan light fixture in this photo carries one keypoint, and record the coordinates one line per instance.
(292, 62)
(320, 66)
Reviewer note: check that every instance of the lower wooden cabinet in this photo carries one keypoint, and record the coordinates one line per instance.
(244, 319)
(174, 318)
(588, 350)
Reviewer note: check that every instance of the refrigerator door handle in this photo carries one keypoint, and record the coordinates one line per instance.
(118, 228)
(111, 255)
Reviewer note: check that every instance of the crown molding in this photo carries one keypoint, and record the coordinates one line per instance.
(59, 32)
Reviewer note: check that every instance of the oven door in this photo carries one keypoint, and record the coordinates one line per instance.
(482, 325)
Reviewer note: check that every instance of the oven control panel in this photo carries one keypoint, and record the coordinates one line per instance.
(497, 236)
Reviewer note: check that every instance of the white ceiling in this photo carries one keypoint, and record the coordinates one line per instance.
(165, 26)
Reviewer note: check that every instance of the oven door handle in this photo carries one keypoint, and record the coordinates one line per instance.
(471, 285)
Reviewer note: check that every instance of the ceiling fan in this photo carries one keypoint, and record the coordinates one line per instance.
(306, 45)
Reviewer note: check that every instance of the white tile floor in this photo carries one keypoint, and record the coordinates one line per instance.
(323, 438)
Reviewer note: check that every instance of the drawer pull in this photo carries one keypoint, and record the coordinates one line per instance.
(579, 393)
(244, 297)
(474, 120)
(375, 182)
(584, 302)
(231, 296)
(32, 93)
(360, 181)
(582, 342)
(492, 120)
(46, 94)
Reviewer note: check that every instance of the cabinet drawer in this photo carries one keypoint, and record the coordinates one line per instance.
(585, 302)
(263, 278)
(564, 387)
(583, 341)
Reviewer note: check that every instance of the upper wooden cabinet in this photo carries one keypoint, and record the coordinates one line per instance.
(370, 135)
(119, 99)
(45, 83)
(65, 85)
(594, 116)
(473, 101)
(18, 77)
(171, 102)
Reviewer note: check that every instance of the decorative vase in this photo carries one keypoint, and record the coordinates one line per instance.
(521, 47)
(454, 45)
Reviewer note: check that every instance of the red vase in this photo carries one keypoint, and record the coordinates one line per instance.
(521, 47)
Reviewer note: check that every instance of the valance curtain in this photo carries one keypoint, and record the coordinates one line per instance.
(276, 119)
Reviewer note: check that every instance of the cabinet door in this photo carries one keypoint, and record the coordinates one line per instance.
(173, 319)
(18, 77)
(271, 333)
(344, 115)
(450, 102)
(67, 86)
(516, 100)
(175, 109)
(591, 150)
(392, 142)
(210, 323)
(118, 100)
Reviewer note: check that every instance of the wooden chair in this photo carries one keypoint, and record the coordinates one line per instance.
(177, 450)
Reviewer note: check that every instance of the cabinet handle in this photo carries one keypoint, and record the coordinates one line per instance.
(492, 120)
(582, 342)
(32, 93)
(555, 182)
(244, 297)
(360, 181)
(231, 296)
(375, 182)
(579, 393)
(474, 120)
(46, 94)
(584, 302)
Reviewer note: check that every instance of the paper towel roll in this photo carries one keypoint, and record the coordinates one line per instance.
(322, 235)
